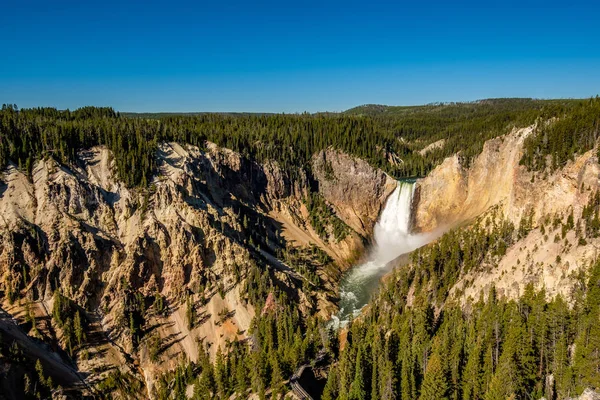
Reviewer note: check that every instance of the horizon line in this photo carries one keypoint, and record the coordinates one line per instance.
(433, 103)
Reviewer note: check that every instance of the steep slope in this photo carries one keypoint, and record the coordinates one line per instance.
(154, 273)
(553, 249)
(344, 181)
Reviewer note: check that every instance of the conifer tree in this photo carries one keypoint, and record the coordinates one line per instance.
(435, 382)
(357, 388)
(331, 390)
(587, 344)
(472, 374)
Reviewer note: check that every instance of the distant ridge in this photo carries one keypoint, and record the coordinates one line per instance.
(369, 109)
(380, 109)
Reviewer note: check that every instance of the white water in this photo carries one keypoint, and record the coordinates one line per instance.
(392, 238)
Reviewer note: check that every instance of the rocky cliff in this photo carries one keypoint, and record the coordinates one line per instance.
(551, 254)
(156, 272)
(344, 181)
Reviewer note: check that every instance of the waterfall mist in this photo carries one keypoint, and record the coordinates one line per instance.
(391, 239)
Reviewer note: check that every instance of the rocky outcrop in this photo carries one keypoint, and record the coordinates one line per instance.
(453, 194)
(588, 394)
(356, 190)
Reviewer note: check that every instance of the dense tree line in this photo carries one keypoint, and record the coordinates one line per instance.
(491, 350)
(494, 349)
(574, 130)
(437, 267)
(387, 140)
(415, 342)
(30, 134)
(68, 318)
(322, 216)
(497, 350)
(464, 127)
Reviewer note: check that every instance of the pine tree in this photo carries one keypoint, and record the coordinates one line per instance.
(504, 383)
(190, 312)
(68, 334)
(472, 374)
(221, 373)
(387, 382)
(331, 390)
(276, 378)
(435, 382)
(587, 344)
(205, 387)
(241, 377)
(40, 371)
(407, 363)
(357, 388)
(57, 307)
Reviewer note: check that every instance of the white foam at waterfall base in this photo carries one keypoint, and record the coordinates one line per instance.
(391, 239)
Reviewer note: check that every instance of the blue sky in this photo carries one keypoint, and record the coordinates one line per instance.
(293, 57)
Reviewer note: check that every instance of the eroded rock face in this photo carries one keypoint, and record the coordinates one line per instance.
(453, 195)
(588, 394)
(79, 230)
(356, 190)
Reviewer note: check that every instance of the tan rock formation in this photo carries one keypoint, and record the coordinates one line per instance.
(453, 195)
(355, 190)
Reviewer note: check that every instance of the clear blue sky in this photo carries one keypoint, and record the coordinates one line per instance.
(293, 57)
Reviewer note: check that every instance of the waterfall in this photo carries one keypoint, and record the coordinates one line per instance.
(391, 233)
(391, 239)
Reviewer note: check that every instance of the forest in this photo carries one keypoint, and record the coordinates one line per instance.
(562, 134)
(389, 140)
(497, 349)
(491, 348)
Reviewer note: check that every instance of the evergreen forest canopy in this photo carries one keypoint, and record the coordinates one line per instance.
(387, 137)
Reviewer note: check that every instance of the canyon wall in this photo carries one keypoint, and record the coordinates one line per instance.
(209, 218)
(454, 195)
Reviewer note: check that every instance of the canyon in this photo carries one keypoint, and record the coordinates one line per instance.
(213, 223)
